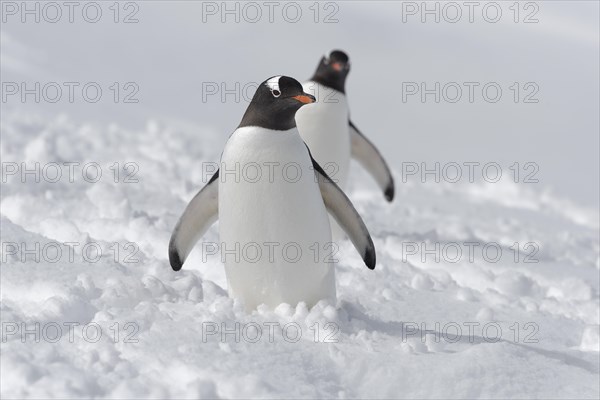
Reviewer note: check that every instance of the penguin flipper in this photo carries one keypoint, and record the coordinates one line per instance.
(342, 210)
(198, 216)
(371, 159)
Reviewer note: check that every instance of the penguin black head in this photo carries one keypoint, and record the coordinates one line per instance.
(333, 70)
(275, 103)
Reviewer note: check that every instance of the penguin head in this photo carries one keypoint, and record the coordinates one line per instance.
(275, 103)
(333, 70)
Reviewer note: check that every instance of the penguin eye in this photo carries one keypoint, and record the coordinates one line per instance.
(275, 93)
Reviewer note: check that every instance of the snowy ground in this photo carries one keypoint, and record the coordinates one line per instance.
(401, 330)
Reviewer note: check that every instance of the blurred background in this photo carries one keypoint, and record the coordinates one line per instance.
(182, 58)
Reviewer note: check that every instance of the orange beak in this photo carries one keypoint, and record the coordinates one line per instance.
(337, 66)
(305, 98)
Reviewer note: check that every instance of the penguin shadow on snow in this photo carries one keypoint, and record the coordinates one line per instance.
(396, 329)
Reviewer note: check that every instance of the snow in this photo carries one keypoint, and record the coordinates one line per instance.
(402, 330)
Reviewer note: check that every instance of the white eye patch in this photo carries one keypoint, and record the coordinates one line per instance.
(273, 84)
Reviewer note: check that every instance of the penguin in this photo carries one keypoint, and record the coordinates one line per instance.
(278, 211)
(330, 134)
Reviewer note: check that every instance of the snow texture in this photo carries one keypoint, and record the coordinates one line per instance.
(401, 330)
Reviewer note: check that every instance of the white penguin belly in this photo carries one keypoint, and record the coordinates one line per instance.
(324, 127)
(274, 229)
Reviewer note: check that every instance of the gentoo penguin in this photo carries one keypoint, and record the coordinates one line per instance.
(330, 134)
(274, 230)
